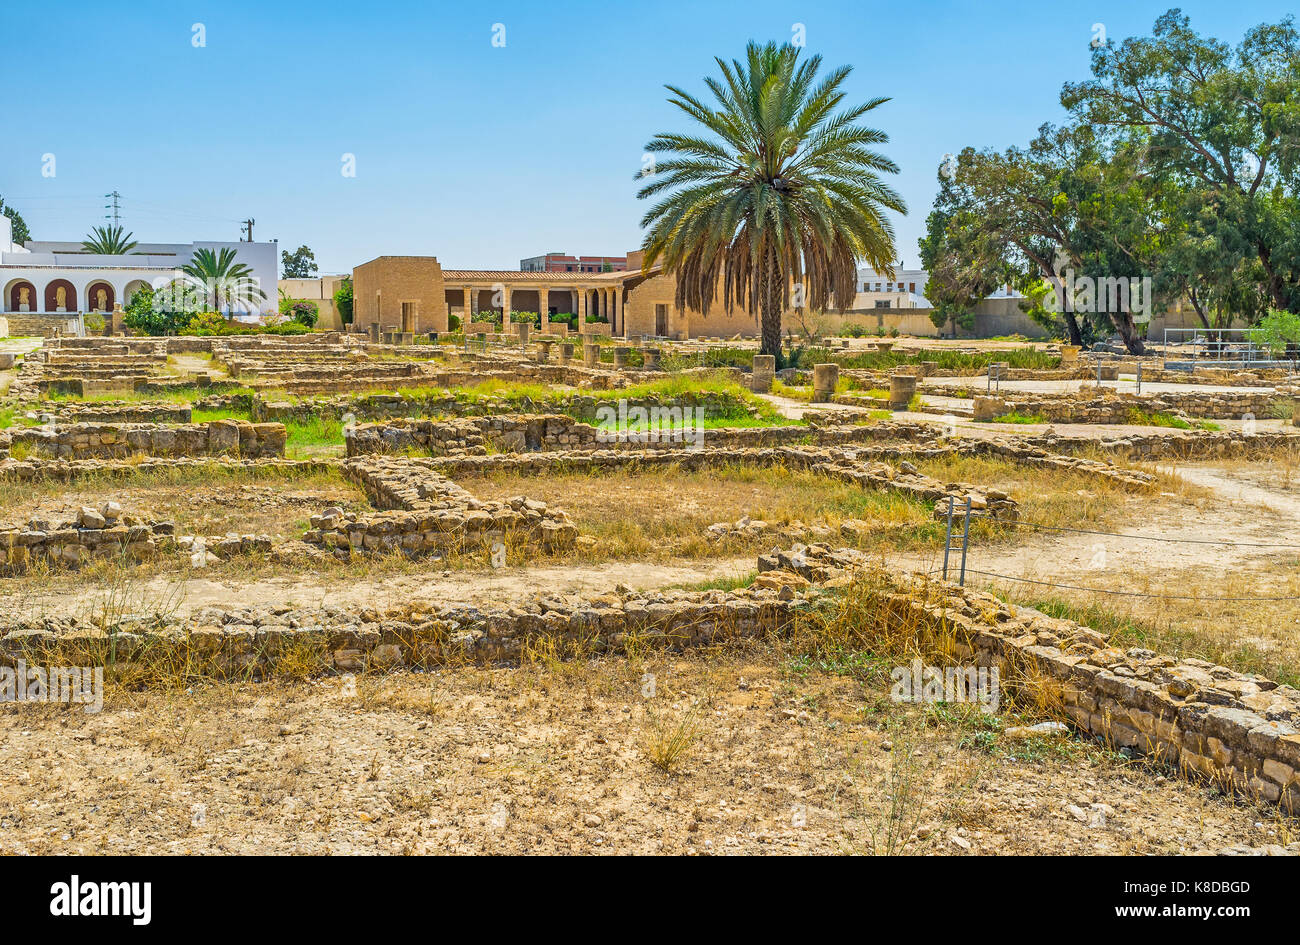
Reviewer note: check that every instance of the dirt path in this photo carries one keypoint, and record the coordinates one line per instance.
(1192, 540)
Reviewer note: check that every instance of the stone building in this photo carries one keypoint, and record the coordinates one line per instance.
(414, 293)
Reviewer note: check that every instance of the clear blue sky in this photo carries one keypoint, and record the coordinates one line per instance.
(478, 154)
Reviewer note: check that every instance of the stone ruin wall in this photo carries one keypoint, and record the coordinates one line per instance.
(122, 440)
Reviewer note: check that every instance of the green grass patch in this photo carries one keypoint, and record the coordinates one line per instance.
(1139, 417)
(1016, 417)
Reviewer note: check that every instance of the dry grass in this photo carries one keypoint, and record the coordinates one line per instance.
(204, 500)
(663, 513)
(528, 760)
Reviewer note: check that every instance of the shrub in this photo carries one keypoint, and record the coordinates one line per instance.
(453, 323)
(302, 311)
(151, 313)
(207, 323)
(343, 300)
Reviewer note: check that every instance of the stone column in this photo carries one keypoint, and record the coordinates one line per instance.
(543, 306)
(505, 308)
(1295, 412)
(901, 389)
(620, 357)
(615, 304)
(566, 352)
(470, 300)
(825, 377)
(651, 358)
(543, 351)
(760, 381)
(590, 354)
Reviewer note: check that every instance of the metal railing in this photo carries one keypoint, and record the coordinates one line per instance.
(1215, 347)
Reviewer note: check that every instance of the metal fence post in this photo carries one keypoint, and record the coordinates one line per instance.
(965, 537)
(947, 540)
(1139, 390)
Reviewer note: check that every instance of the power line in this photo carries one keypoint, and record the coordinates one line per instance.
(1177, 541)
(1103, 590)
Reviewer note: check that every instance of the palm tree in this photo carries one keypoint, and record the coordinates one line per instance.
(108, 241)
(784, 193)
(223, 279)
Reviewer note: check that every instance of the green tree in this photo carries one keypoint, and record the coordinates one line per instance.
(963, 257)
(1281, 333)
(223, 281)
(780, 192)
(300, 264)
(1225, 121)
(109, 241)
(343, 300)
(163, 311)
(20, 232)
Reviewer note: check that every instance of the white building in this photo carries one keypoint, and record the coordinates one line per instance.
(43, 277)
(905, 289)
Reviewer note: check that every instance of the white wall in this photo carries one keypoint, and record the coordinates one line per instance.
(42, 262)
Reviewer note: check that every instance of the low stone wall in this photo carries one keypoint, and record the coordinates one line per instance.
(1207, 720)
(120, 411)
(61, 470)
(1087, 406)
(427, 513)
(121, 440)
(844, 464)
(1190, 444)
(248, 643)
(551, 432)
(102, 533)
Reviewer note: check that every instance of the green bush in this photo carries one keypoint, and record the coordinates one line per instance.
(343, 300)
(146, 313)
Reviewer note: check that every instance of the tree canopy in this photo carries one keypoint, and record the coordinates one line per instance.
(776, 193)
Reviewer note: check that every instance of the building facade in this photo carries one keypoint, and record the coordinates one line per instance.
(559, 262)
(415, 294)
(50, 278)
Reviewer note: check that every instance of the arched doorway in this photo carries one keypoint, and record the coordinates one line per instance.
(100, 297)
(60, 295)
(20, 295)
(131, 289)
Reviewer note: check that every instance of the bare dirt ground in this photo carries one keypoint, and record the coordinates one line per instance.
(747, 750)
(189, 591)
(777, 758)
(246, 508)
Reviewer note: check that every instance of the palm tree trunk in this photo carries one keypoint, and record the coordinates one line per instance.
(770, 311)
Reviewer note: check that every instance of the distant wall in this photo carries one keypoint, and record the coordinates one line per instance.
(320, 291)
(380, 286)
